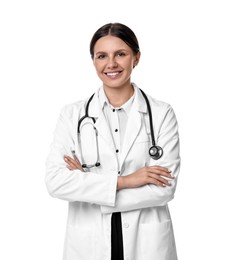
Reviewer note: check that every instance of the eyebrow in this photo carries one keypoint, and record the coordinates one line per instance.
(103, 52)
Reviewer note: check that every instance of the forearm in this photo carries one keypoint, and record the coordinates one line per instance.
(149, 195)
(142, 197)
(76, 185)
(156, 175)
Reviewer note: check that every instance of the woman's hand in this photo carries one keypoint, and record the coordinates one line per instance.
(73, 163)
(147, 175)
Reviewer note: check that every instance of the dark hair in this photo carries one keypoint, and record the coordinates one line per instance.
(118, 30)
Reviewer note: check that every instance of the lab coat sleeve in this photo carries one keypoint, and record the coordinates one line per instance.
(97, 188)
(152, 195)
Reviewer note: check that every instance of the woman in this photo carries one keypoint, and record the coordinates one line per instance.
(99, 161)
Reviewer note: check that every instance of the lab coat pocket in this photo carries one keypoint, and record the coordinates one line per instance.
(157, 241)
(142, 138)
(139, 154)
(79, 243)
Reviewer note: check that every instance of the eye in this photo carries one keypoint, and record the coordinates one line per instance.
(101, 56)
(121, 54)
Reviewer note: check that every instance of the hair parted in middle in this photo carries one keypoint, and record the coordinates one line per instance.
(118, 30)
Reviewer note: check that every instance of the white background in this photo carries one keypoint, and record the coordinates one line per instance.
(45, 64)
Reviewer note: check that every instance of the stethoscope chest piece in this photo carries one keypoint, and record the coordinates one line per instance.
(156, 152)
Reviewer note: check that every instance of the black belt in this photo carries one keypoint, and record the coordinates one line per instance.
(116, 237)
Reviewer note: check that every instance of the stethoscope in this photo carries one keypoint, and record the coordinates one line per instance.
(155, 151)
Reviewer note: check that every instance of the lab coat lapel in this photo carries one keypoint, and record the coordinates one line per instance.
(103, 129)
(134, 123)
(132, 130)
(101, 125)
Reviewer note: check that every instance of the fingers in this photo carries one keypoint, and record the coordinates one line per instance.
(75, 158)
(72, 164)
(160, 171)
(158, 175)
(158, 180)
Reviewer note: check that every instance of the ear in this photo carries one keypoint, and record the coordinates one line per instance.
(137, 58)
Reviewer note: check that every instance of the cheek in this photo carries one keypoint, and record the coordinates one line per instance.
(95, 66)
(130, 64)
(98, 67)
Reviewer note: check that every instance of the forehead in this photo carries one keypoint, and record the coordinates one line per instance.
(110, 44)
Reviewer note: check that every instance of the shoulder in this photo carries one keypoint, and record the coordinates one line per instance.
(77, 108)
(72, 110)
(155, 104)
(161, 110)
(159, 104)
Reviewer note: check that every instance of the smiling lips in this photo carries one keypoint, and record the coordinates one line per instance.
(113, 75)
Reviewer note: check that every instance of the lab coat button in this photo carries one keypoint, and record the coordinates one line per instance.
(126, 225)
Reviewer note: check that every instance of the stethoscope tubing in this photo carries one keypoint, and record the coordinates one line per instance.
(155, 151)
(86, 114)
(150, 117)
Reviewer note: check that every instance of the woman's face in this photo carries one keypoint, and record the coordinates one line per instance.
(114, 61)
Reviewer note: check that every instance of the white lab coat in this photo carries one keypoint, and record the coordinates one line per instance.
(92, 196)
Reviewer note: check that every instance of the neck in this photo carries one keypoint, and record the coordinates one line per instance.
(118, 96)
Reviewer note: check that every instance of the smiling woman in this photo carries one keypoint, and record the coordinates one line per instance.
(119, 203)
(115, 54)
(114, 61)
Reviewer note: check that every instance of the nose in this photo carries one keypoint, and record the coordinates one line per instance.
(112, 63)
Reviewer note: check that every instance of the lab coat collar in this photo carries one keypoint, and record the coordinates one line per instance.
(105, 102)
(96, 106)
(139, 102)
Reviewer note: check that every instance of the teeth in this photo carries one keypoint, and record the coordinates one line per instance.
(112, 73)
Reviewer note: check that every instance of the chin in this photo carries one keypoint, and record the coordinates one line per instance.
(108, 85)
